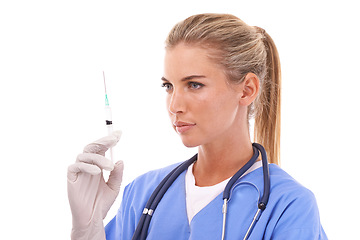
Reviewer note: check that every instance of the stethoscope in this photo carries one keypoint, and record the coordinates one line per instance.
(144, 222)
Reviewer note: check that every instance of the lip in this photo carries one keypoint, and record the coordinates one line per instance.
(182, 127)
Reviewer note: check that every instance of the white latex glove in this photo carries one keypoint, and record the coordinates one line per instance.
(90, 197)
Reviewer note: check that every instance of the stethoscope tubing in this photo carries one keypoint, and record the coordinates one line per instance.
(148, 204)
(159, 192)
(226, 193)
(266, 174)
(156, 197)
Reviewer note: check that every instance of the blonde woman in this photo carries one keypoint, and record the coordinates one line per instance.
(219, 73)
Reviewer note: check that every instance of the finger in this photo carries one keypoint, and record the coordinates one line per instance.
(96, 159)
(115, 177)
(81, 167)
(101, 145)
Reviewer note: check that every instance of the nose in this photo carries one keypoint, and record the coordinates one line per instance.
(176, 104)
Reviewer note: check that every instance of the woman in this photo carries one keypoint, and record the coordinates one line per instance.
(219, 73)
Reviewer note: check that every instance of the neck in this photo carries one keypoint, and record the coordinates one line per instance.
(221, 160)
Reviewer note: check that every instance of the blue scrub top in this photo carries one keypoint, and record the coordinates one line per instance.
(291, 213)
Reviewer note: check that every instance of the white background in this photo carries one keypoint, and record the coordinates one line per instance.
(52, 54)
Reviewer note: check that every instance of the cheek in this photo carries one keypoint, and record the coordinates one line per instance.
(220, 110)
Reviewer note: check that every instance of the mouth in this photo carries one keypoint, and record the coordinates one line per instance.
(182, 127)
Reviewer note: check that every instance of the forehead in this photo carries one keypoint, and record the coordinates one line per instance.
(185, 59)
(186, 52)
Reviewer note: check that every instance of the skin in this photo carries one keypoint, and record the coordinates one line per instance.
(213, 111)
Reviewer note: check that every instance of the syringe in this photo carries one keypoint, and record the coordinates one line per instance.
(108, 118)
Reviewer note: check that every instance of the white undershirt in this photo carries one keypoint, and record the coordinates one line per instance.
(198, 197)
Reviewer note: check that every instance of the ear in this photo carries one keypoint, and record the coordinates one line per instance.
(250, 89)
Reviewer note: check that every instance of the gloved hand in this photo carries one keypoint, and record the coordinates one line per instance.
(90, 197)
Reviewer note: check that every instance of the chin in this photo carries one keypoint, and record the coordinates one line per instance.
(190, 143)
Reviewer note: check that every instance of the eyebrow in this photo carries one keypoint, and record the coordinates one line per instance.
(188, 78)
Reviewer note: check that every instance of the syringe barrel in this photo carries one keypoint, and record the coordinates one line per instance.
(108, 115)
(109, 126)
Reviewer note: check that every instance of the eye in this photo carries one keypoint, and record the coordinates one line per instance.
(195, 85)
(167, 86)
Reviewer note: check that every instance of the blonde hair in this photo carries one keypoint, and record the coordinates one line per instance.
(241, 49)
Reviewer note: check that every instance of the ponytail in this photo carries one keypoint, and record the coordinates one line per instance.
(267, 120)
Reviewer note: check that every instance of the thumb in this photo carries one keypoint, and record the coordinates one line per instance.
(115, 177)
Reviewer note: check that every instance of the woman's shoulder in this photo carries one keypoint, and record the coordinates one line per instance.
(290, 194)
(284, 182)
(147, 182)
(283, 187)
(157, 174)
(294, 210)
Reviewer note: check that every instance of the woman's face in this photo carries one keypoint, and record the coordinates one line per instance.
(202, 105)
